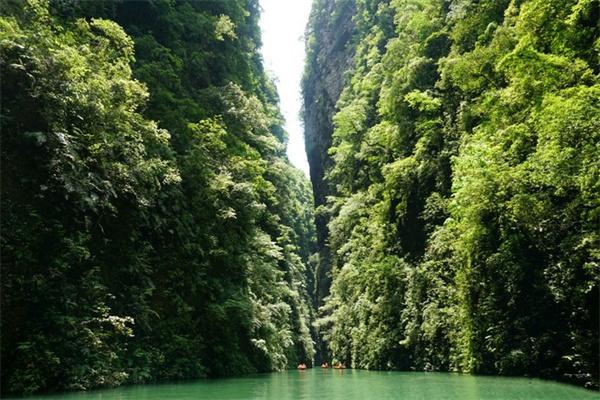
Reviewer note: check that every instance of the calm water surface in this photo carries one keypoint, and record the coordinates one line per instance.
(345, 385)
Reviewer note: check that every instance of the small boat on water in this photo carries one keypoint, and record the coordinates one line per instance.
(302, 366)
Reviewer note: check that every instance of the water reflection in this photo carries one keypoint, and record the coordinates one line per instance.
(320, 383)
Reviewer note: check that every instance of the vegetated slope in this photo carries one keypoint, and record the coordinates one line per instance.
(465, 197)
(152, 227)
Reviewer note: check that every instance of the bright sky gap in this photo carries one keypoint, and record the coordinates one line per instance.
(282, 23)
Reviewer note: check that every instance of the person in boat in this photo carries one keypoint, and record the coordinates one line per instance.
(301, 366)
(339, 365)
(325, 365)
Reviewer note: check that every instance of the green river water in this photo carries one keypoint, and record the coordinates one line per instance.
(345, 385)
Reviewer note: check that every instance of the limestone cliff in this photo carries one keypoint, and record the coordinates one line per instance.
(329, 59)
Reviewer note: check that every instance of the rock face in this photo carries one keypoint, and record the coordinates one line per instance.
(329, 58)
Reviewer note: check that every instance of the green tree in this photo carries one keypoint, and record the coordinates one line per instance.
(464, 215)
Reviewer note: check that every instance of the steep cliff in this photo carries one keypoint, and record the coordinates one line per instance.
(458, 216)
(152, 226)
(329, 59)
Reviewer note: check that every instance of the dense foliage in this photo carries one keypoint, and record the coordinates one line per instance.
(152, 227)
(465, 188)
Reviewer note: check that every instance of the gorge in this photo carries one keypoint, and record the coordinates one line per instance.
(153, 229)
